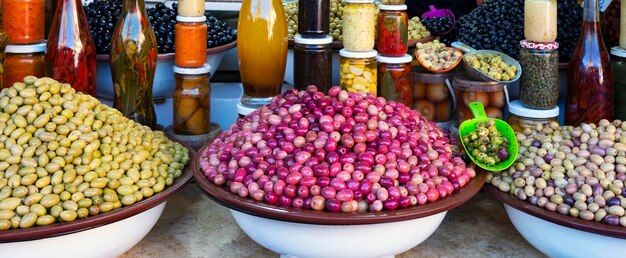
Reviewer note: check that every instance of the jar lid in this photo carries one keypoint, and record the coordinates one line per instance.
(618, 51)
(359, 1)
(357, 54)
(181, 18)
(391, 7)
(312, 41)
(243, 109)
(406, 58)
(25, 49)
(206, 68)
(539, 45)
(516, 108)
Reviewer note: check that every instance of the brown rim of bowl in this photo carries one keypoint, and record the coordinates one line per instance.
(168, 56)
(66, 228)
(336, 45)
(555, 217)
(246, 205)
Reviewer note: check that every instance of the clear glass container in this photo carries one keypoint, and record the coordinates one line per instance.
(359, 25)
(392, 39)
(23, 60)
(3, 44)
(540, 18)
(23, 20)
(392, 2)
(432, 97)
(191, 8)
(357, 71)
(521, 117)
(313, 18)
(539, 83)
(190, 41)
(490, 94)
(394, 79)
(313, 63)
(192, 100)
(618, 67)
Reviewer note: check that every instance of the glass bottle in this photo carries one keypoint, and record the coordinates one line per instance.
(71, 51)
(262, 49)
(589, 90)
(133, 62)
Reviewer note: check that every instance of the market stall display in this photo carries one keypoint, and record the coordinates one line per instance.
(23, 60)
(539, 83)
(394, 79)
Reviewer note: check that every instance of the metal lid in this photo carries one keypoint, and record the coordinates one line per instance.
(539, 45)
(24, 49)
(518, 109)
(181, 18)
(312, 41)
(206, 68)
(243, 109)
(359, 1)
(357, 54)
(394, 7)
(395, 60)
(618, 51)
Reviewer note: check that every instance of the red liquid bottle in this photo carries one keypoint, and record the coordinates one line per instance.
(589, 90)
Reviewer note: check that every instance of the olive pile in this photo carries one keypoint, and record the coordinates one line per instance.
(486, 144)
(438, 25)
(576, 171)
(417, 30)
(64, 155)
(435, 56)
(335, 25)
(492, 66)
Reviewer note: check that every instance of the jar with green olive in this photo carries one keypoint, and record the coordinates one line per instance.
(521, 117)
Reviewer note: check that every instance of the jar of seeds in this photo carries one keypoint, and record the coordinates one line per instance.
(539, 84)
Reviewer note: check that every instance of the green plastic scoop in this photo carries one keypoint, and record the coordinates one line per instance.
(503, 128)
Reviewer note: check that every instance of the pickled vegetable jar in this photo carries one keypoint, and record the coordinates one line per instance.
(313, 18)
(24, 60)
(390, 2)
(359, 25)
(23, 21)
(539, 85)
(190, 41)
(521, 117)
(490, 94)
(3, 45)
(191, 8)
(618, 67)
(393, 35)
(432, 97)
(394, 78)
(540, 20)
(313, 63)
(357, 71)
(192, 100)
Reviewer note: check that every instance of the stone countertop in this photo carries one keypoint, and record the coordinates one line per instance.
(192, 225)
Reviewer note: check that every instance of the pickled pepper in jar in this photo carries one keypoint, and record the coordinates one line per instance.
(393, 34)
(192, 100)
(394, 79)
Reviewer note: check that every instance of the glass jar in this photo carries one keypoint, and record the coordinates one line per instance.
(490, 94)
(191, 8)
(622, 26)
(394, 79)
(392, 2)
(357, 71)
(540, 20)
(23, 20)
(312, 63)
(3, 44)
(393, 35)
(359, 25)
(618, 66)
(190, 41)
(192, 100)
(24, 60)
(313, 18)
(432, 97)
(539, 84)
(522, 117)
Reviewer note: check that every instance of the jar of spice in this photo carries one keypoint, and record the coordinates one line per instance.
(359, 24)
(540, 20)
(432, 97)
(191, 8)
(313, 63)
(23, 20)
(357, 70)
(522, 117)
(190, 41)
(24, 60)
(192, 100)
(618, 67)
(394, 78)
(313, 18)
(393, 34)
(539, 84)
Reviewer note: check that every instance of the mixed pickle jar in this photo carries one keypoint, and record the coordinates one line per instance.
(191, 8)
(521, 118)
(618, 67)
(432, 97)
(539, 83)
(394, 79)
(490, 94)
(23, 60)
(359, 25)
(392, 38)
(313, 18)
(190, 41)
(313, 62)
(357, 71)
(23, 20)
(192, 100)
(540, 18)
